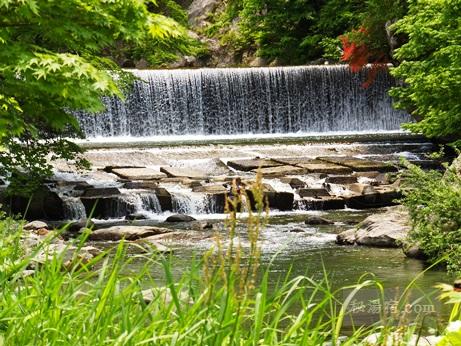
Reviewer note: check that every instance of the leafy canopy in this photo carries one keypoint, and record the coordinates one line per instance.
(54, 60)
(431, 67)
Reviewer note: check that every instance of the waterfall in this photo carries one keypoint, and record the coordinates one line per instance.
(73, 208)
(191, 203)
(279, 100)
(148, 202)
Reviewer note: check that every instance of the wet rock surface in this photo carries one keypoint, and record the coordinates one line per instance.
(136, 184)
(116, 233)
(388, 229)
(180, 218)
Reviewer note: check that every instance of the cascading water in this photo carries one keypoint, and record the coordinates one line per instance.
(73, 208)
(309, 99)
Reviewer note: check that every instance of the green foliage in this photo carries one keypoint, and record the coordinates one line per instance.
(434, 201)
(51, 64)
(294, 32)
(431, 67)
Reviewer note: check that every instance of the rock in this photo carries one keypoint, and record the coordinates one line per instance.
(164, 198)
(317, 220)
(116, 233)
(321, 203)
(110, 168)
(317, 166)
(279, 171)
(277, 200)
(414, 251)
(341, 179)
(346, 237)
(380, 198)
(35, 225)
(210, 189)
(76, 226)
(199, 10)
(141, 185)
(175, 172)
(139, 173)
(358, 165)
(44, 204)
(180, 218)
(136, 216)
(248, 165)
(101, 192)
(108, 207)
(314, 193)
(202, 225)
(93, 251)
(388, 229)
(71, 256)
(151, 245)
(361, 189)
(163, 294)
(82, 185)
(258, 62)
(295, 183)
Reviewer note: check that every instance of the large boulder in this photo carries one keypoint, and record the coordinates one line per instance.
(199, 10)
(116, 233)
(44, 204)
(388, 229)
(180, 218)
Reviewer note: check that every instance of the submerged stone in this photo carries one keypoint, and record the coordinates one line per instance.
(317, 220)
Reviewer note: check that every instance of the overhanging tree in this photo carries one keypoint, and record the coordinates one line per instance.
(431, 68)
(52, 63)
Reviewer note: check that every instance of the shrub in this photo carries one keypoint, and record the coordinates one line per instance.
(434, 201)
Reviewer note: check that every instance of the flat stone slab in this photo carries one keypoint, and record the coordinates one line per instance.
(314, 193)
(322, 203)
(126, 232)
(210, 189)
(341, 179)
(249, 165)
(359, 165)
(139, 173)
(382, 197)
(175, 172)
(319, 166)
(98, 192)
(279, 171)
